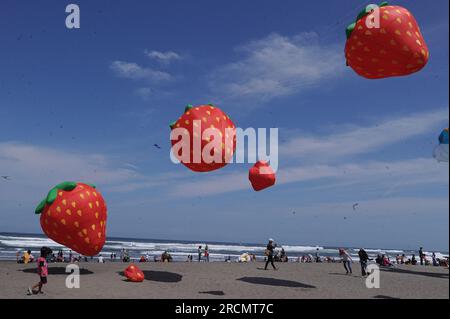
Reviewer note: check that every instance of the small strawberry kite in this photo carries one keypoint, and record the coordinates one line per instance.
(385, 41)
(203, 138)
(74, 215)
(261, 176)
(134, 274)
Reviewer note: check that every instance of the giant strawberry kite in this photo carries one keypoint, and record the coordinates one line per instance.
(74, 215)
(385, 41)
(261, 176)
(203, 138)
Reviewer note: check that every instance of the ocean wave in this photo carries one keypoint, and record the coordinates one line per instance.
(134, 245)
(27, 242)
(384, 251)
(10, 244)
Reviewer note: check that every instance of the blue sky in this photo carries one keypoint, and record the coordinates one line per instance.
(89, 104)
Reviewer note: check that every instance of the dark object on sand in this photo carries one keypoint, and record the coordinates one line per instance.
(56, 271)
(274, 282)
(214, 293)
(162, 276)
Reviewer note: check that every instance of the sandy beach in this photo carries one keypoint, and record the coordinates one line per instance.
(228, 280)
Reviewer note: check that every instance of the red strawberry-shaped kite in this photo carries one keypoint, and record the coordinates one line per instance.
(74, 215)
(261, 176)
(385, 41)
(203, 138)
(134, 274)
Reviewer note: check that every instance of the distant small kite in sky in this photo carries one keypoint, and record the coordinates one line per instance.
(441, 152)
(355, 206)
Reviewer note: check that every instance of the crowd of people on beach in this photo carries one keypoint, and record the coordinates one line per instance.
(382, 260)
(270, 253)
(273, 253)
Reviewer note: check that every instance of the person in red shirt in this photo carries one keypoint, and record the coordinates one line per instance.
(42, 270)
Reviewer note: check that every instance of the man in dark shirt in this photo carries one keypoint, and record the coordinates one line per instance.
(269, 253)
(421, 256)
(363, 258)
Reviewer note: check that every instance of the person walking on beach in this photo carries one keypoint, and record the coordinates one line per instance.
(42, 271)
(421, 256)
(435, 262)
(207, 253)
(363, 258)
(317, 256)
(199, 251)
(347, 260)
(269, 253)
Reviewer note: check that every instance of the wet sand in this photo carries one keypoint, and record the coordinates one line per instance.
(227, 280)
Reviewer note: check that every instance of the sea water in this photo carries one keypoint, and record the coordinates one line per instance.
(11, 243)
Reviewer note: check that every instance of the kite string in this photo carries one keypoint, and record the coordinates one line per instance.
(345, 19)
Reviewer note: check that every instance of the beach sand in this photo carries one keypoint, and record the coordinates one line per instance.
(227, 280)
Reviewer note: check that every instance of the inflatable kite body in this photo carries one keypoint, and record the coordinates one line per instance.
(441, 151)
(74, 215)
(203, 138)
(134, 274)
(261, 176)
(385, 41)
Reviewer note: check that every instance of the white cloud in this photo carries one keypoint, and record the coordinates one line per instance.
(357, 140)
(34, 170)
(389, 176)
(131, 70)
(363, 140)
(407, 172)
(207, 185)
(380, 207)
(32, 163)
(277, 66)
(325, 149)
(163, 57)
(144, 92)
(40, 166)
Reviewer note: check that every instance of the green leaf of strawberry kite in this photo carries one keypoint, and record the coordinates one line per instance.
(51, 197)
(367, 10)
(74, 215)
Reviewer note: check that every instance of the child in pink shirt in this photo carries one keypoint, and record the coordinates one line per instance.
(42, 270)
